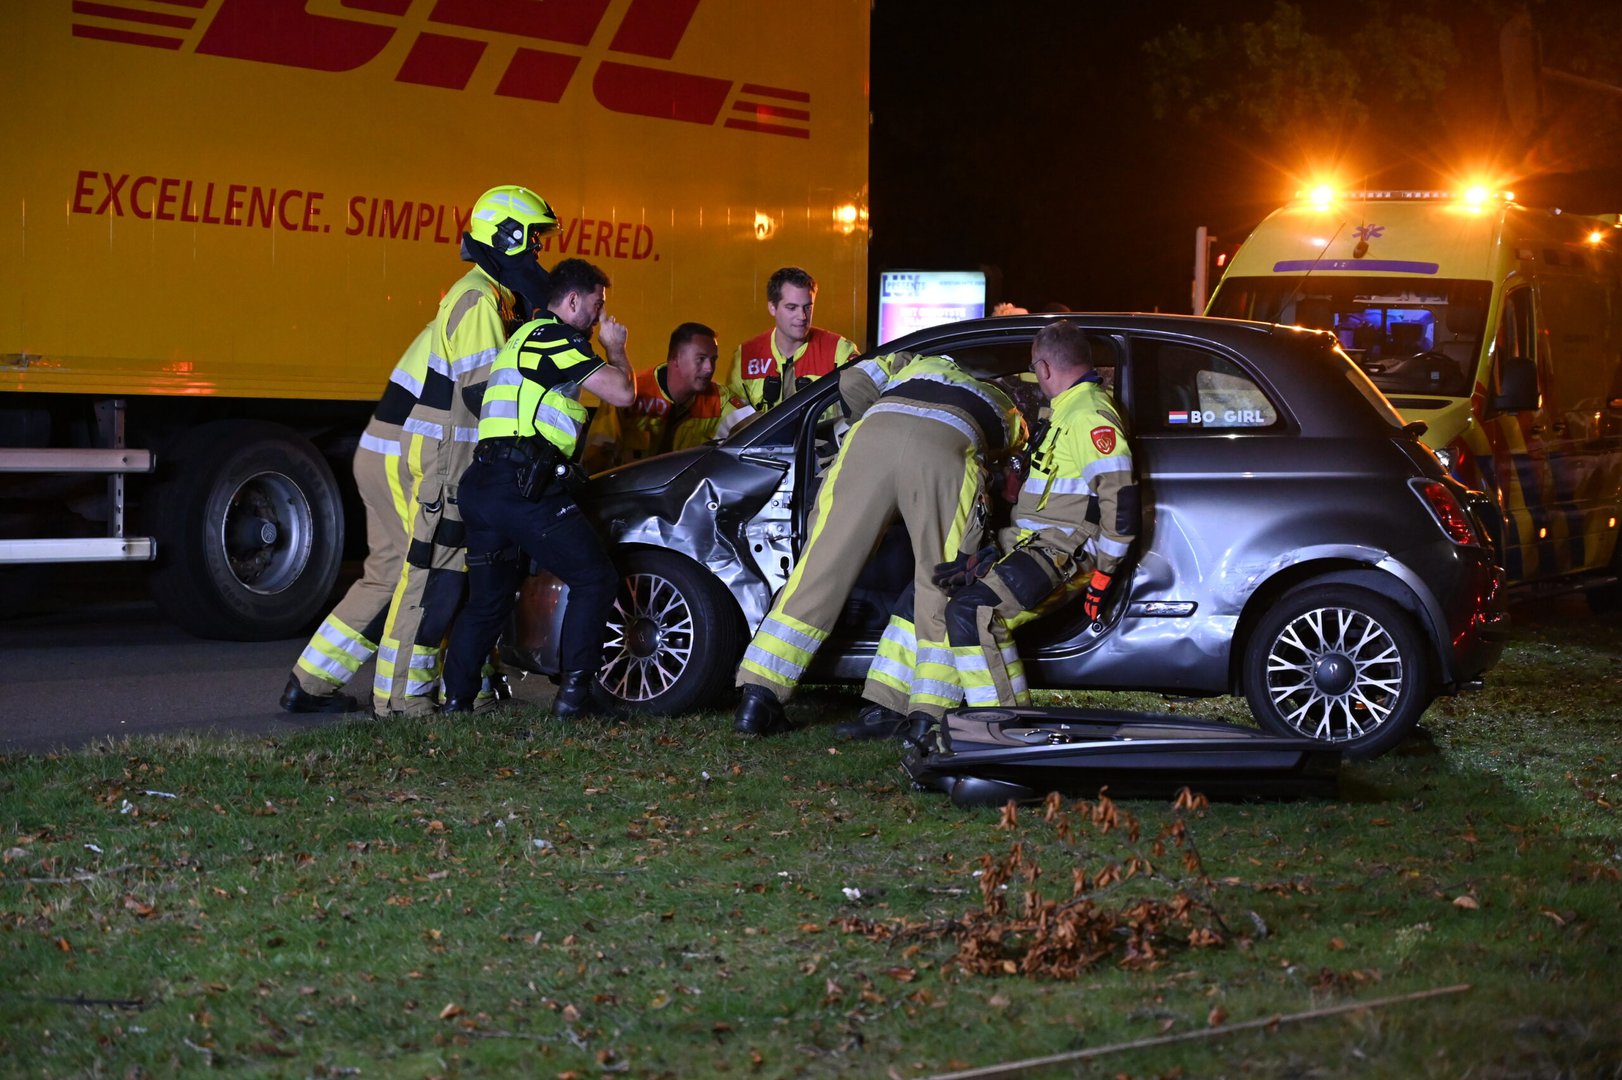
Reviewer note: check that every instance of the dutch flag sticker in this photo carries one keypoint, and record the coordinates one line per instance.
(1177, 417)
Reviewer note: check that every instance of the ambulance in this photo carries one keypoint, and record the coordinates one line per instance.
(1495, 325)
(223, 221)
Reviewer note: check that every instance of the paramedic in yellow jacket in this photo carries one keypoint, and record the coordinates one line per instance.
(400, 460)
(677, 405)
(1076, 516)
(918, 453)
(769, 367)
(515, 497)
(475, 317)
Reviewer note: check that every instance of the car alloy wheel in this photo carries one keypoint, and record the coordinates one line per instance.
(1340, 665)
(672, 642)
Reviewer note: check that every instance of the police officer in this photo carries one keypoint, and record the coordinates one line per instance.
(1076, 515)
(504, 236)
(515, 498)
(769, 367)
(410, 449)
(917, 453)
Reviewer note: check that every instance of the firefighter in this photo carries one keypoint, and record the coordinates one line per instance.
(1076, 515)
(402, 458)
(677, 405)
(505, 285)
(918, 453)
(516, 498)
(769, 367)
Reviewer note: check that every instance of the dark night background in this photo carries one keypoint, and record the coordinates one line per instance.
(1021, 136)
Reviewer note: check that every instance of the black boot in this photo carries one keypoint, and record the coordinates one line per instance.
(922, 733)
(759, 712)
(574, 696)
(455, 705)
(296, 699)
(497, 686)
(873, 722)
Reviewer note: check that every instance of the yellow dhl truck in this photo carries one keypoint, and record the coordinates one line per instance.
(224, 220)
(1497, 325)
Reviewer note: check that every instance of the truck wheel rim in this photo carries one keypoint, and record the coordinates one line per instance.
(267, 533)
(650, 639)
(1334, 674)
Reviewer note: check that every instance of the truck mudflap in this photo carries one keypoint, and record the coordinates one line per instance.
(987, 756)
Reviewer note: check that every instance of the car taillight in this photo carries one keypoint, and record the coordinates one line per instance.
(1448, 511)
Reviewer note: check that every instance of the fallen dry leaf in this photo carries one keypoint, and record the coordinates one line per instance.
(451, 1010)
(1467, 902)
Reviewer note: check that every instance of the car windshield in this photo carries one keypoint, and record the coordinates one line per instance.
(1410, 337)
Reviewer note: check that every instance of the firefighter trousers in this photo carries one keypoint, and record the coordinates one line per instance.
(427, 596)
(387, 481)
(980, 621)
(915, 467)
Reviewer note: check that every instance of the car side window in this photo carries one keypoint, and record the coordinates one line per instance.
(1185, 388)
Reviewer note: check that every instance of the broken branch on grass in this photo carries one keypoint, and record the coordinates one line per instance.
(1020, 1068)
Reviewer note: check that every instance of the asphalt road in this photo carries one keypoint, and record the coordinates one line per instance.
(97, 660)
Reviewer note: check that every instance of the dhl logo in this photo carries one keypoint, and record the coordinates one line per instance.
(285, 32)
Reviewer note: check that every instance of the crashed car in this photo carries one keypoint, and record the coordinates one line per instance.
(1299, 546)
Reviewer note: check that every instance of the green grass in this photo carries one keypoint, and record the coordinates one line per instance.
(661, 898)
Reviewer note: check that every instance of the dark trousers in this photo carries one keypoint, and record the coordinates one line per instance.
(554, 533)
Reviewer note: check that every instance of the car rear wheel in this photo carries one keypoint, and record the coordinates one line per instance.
(672, 644)
(1338, 664)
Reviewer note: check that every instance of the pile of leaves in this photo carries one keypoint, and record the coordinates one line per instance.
(1125, 909)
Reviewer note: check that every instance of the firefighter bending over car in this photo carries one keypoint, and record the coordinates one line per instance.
(770, 367)
(516, 497)
(918, 453)
(406, 466)
(1075, 518)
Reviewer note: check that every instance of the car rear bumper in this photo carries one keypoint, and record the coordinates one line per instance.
(1477, 622)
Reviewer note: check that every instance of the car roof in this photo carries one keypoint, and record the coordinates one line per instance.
(1292, 359)
(1235, 333)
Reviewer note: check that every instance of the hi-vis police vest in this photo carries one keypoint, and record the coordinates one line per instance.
(758, 366)
(535, 385)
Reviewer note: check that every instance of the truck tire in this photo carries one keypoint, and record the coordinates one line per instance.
(1339, 664)
(250, 531)
(672, 644)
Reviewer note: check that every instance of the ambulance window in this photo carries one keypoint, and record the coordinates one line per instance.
(1520, 371)
(1516, 334)
(1181, 388)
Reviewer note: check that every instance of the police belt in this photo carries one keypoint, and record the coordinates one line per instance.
(519, 451)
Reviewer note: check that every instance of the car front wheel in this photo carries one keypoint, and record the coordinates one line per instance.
(672, 644)
(1338, 664)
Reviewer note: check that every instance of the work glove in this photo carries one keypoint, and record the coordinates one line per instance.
(953, 577)
(1094, 600)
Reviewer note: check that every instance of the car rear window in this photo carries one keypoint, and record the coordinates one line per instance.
(1183, 388)
(1366, 387)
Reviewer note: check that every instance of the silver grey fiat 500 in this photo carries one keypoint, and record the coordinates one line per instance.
(1299, 546)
